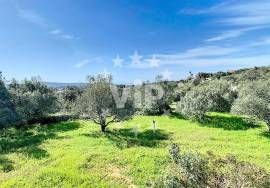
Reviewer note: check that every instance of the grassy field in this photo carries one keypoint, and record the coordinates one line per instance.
(76, 154)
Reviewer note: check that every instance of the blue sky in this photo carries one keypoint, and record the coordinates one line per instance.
(66, 40)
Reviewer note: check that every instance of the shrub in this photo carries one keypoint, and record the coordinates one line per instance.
(198, 171)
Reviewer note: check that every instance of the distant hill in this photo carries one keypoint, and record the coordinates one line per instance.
(56, 85)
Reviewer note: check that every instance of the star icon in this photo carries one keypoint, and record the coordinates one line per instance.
(136, 130)
(136, 58)
(154, 62)
(166, 74)
(138, 82)
(105, 113)
(166, 112)
(118, 62)
(105, 73)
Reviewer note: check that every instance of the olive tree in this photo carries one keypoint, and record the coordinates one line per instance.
(254, 100)
(97, 103)
(68, 96)
(8, 114)
(216, 96)
(32, 99)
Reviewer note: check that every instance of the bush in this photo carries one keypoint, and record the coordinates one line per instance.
(197, 171)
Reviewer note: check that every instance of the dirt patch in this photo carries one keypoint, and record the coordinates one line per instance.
(118, 173)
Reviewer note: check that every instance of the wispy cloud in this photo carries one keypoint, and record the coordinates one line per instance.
(264, 42)
(232, 34)
(213, 9)
(205, 51)
(238, 12)
(60, 34)
(248, 15)
(35, 18)
(82, 63)
(32, 17)
(255, 60)
(206, 56)
(85, 62)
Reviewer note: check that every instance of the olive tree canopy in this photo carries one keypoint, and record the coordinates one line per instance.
(97, 103)
(254, 100)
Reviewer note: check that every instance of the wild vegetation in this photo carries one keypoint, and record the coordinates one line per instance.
(216, 120)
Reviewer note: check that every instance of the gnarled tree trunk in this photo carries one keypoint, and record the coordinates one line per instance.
(268, 127)
(103, 128)
(103, 124)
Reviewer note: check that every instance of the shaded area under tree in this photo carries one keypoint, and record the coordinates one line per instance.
(28, 141)
(126, 138)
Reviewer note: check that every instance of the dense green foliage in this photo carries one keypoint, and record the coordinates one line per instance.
(207, 92)
(216, 96)
(254, 100)
(158, 106)
(8, 114)
(67, 98)
(196, 95)
(32, 99)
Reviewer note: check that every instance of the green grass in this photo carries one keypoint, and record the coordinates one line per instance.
(76, 154)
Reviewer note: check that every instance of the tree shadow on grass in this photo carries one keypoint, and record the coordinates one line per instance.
(266, 134)
(175, 115)
(6, 165)
(125, 138)
(229, 122)
(28, 141)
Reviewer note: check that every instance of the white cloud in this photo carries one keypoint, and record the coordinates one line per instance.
(217, 55)
(256, 60)
(231, 34)
(205, 51)
(246, 20)
(56, 32)
(240, 8)
(264, 42)
(60, 34)
(34, 18)
(248, 15)
(65, 36)
(82, 63)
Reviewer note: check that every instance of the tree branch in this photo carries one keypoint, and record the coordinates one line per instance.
(95, 121)
(111, 121)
